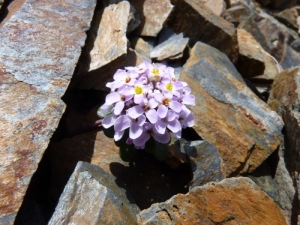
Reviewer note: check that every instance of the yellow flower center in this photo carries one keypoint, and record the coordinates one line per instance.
(169, 86)
(155, 71)
(138, 90)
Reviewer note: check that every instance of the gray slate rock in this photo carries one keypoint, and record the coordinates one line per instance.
(92, 196)
(205, 162)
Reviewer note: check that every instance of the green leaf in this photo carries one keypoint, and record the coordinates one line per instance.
(110, 132)
(102, 115)
(161, 151)
(127, 153)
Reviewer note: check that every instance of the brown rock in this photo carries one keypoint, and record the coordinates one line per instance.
(227, 114)
(284, 98)
(216, 6)
(288, 17)
(236, 14)
(231, 201)
(251, 58)
(92, 196)
(143, 46)
(133, 58)
(200, 24)
(153, 14)
(40, 46)
(291, 58)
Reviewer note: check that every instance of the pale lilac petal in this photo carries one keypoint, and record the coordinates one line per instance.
(129, 141)
(177, 134)
(188, 100)
(141, 140)
(178, 85)
(119, 107)
(122, 123)
(162, 111)
(152, 103)
(160, 126)
(159, 97)
(168, 94)
(171, 115)
(108, 121)
(118, 135)
(112, 98)
(176, 93)
(138, 98)
(127, 91)
(120, 75)
(141, 120)
(190, 120)
(186, 90)
(174, 126)
(135, 111)
(176, 106)
(162, 138)
(135, 131)
(152, 115)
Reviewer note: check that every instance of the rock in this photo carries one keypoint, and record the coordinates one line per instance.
(164, 35)
(93, 196)
(40, 46)
(200, 24)
(288, 17)
(133, 20)
(216, 6)
(251, 57)
(232, 201)
(153, 13)
(236, 14)
(205, 162)
(143, 46)
(291, 58)
(133, 58)
(284, 98)
(170, 49)
(227, 114)
(105, 48)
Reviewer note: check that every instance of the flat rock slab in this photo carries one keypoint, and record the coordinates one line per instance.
(92, 196)
(172, 48)
(227, 114)
(231, 201)
(200, 24)
(40, 46)
(205, 162)
(153, 13)
(284, 98)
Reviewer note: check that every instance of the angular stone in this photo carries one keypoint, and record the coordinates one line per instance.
(231, 201)
(216, 6)
(133, 58)
(170, 49)
(227, 114)
(40, 46)
(251, 58)
(133, 20)
(284, 98)
(236, 14)
(143, 46)
(105, 48)
(205, 161)
(290, 58)
(288, 17)
(93, 196)
(200, 24)
(153, 14)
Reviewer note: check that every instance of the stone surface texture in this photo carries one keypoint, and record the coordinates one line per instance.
(205, 162)
(93, 196)
(216, 6)
(172, 48)
(231, 201)
(200, 24)
(227, 114)
(153, 14)
(251, 58)
(284, 98)
(40, 46)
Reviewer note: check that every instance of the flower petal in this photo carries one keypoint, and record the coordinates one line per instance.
(160, 126)
(162, 111)
(177, 134)
(162, 138)
(176, 106)
(141, 140)
(135, 131)
(152, 115)
(108, 121)
(159, 97)
(135, 111)
(174, 126)
(152, 103)
(188, 100)
(112, 98)
(138, 98)
(141, 120)
(122, 123)
(118, 135)
(119, 107)
(171, 115)
(190, 120)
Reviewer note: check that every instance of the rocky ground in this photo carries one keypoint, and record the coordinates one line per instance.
(239, 164)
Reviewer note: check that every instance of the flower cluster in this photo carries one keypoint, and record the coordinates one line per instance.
(149, 101)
